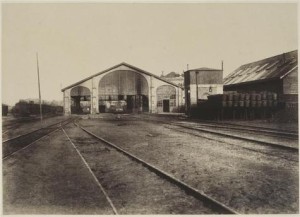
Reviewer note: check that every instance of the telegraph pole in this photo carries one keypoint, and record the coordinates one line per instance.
(40, 99)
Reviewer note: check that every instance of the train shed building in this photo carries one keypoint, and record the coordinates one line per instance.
(122, 88)
(277, 74)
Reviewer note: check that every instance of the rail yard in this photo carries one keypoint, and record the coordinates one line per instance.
(164, 108)
(149, 164)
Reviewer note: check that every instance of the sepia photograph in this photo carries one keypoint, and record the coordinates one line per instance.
(149, 108)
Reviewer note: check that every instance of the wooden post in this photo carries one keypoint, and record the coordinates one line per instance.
(40, 98)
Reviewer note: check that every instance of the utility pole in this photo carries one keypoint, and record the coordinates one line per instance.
(40, 99)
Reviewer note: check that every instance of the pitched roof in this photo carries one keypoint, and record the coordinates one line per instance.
(276, 67)
(116, 66)
(171, 75)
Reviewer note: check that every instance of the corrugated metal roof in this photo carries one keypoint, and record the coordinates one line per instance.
(116, 66)
(270, 68)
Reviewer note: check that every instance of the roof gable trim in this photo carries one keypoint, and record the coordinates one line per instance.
(116, 66)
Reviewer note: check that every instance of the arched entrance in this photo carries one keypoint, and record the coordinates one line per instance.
(166, 98)
(123, 91)
(80, 100)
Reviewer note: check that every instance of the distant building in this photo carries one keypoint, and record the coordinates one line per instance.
(122, 88)
(175, 78)
(200, 83)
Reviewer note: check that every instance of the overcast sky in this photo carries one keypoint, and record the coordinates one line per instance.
(77, 40)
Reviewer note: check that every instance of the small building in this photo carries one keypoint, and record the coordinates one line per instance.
(277, 74)
(200, 83)
(122, 88)
(175, 78)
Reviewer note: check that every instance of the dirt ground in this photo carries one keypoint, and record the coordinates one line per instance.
(50, 178)
(133, 188)
(247, 181)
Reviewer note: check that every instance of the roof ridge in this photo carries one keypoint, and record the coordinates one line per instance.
(118, 65)
(278, 55)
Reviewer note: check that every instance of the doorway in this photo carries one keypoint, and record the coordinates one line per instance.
(166, 105)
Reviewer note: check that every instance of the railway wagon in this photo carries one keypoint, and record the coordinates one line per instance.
(25, 109)
(4, 110)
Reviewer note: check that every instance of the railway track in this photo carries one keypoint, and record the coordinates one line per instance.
(251, 129)
(14, 145)
(275, 153)
(17, 122)
(236, 135)
(257, 128)
(210, 202)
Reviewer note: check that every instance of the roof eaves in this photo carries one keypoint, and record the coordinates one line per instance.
(251, 82)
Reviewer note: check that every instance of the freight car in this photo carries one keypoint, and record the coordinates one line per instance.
(4, 110)
(25, 109)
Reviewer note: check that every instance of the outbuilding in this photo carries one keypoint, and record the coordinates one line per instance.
(201, 83)
(277, 74)
(122, 88)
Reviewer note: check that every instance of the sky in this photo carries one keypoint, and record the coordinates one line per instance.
(76, 40)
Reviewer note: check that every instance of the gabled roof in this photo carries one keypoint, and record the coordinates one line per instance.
(276, 67)
(116, 66)
(171, 75)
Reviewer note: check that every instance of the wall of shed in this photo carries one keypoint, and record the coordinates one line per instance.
(275, 86)
(206, 77)
(210, 82)
(290, 83)
(203, 91)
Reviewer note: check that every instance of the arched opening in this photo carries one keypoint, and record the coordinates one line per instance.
(80, 100)
(166, 98)
(123, 91)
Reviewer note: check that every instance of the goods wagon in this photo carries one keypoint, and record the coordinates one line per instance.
(25, 109)
(4, 110)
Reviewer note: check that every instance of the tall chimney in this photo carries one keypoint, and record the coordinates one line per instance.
(222, 65)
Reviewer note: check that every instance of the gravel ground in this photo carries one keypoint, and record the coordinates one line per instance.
(290, 142)
(247, 181)
(292, 126)
(132, 188)
(26, 127)
(251, 146)
(49, 177)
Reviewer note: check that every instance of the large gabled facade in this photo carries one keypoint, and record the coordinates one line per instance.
(123, 88)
